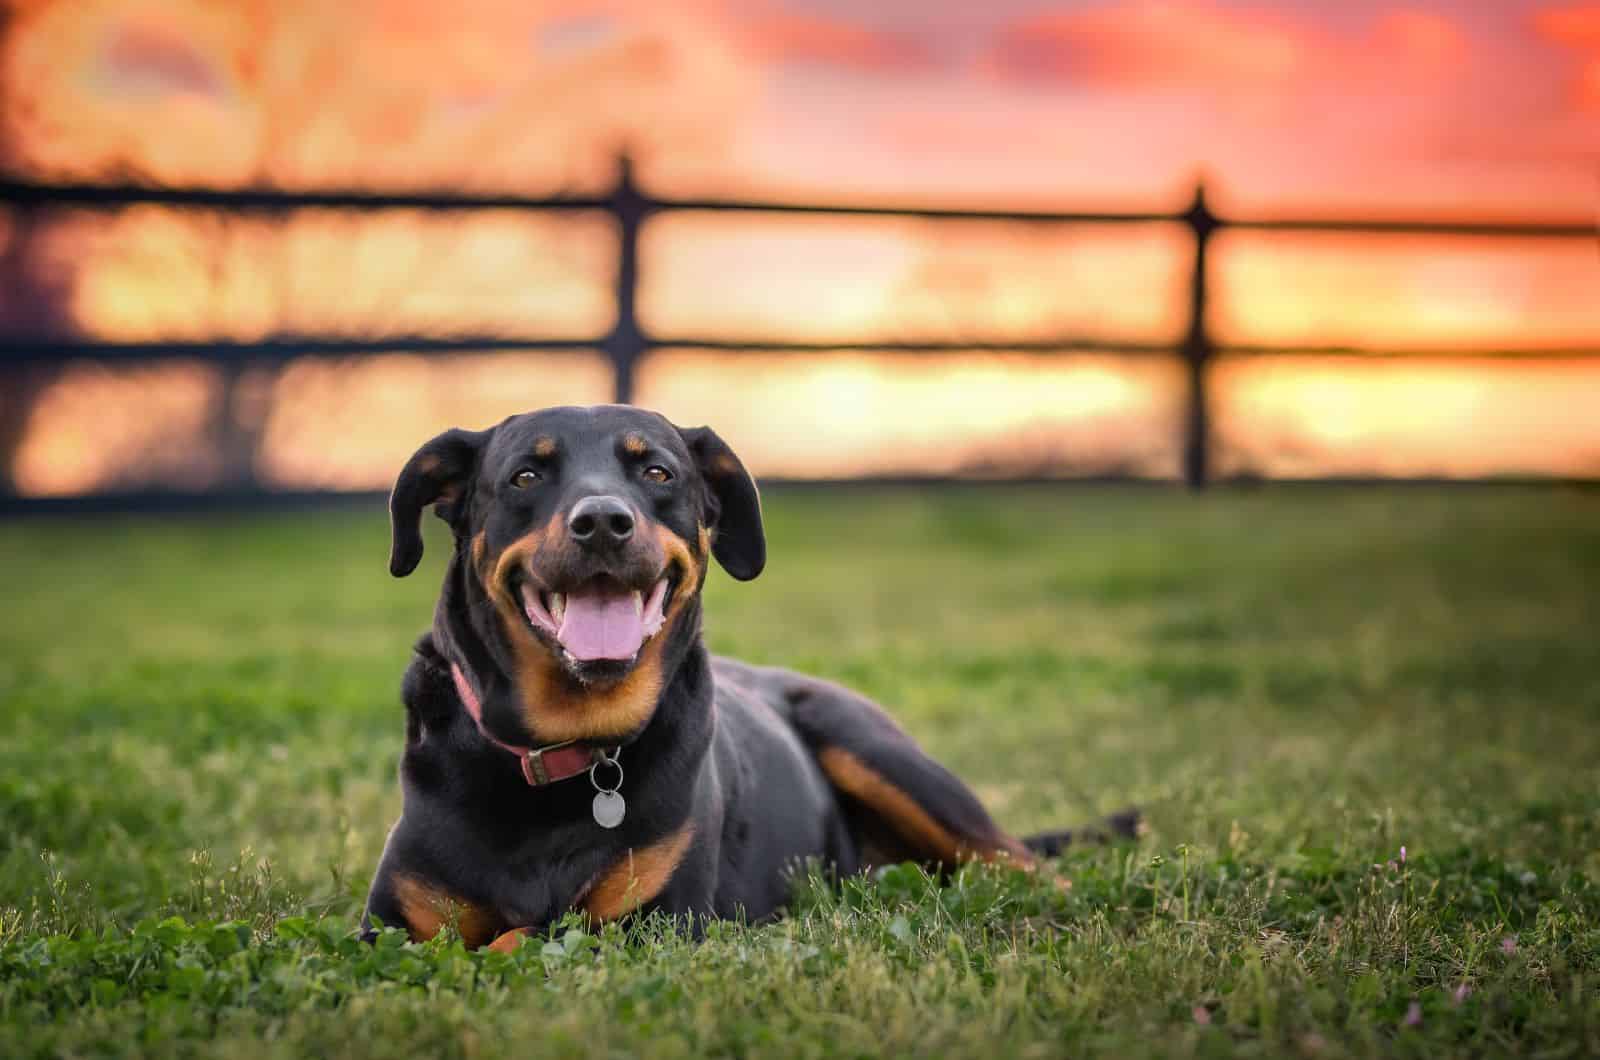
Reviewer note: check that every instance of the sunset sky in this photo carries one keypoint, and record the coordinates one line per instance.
(1461, 108)
(1410, 105)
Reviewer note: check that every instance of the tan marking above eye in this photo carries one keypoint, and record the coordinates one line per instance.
(544, 447)
(634, 445)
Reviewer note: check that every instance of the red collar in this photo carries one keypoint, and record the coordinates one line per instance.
(540, 765)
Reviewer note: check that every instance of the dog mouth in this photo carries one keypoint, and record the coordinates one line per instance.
(600, 622)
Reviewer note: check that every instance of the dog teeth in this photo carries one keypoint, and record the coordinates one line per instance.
(558, 607)
(638, 603)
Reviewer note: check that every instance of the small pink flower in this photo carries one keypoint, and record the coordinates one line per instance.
(1402, 855)
(1202, 1015)
(1393, 867)
(1461, 993)
(1413, 1015)
(1508, 945)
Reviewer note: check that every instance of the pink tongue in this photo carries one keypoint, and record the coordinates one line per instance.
(601, 624)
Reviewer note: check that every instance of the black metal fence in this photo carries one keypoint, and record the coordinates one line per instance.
(628, 342)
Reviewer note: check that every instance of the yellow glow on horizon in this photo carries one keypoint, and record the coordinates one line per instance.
(351, 423)
(886, 414)
(850, 280)
(1298, 417)
(1406, 292)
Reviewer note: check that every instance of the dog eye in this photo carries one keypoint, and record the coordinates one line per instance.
(657, 474)
(525, 477)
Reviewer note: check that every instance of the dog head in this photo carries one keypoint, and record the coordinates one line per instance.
(586, 532)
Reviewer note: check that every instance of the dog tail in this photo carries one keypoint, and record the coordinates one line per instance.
(1124, 824)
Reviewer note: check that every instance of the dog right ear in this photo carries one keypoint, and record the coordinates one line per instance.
(436, 474)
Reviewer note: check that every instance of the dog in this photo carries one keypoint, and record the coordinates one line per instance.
(570, 743)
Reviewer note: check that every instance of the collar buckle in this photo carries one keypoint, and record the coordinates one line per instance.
(534, 770)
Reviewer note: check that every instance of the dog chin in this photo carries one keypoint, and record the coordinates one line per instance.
(595, 673)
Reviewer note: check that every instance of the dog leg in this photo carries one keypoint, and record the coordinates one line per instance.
(907, 805)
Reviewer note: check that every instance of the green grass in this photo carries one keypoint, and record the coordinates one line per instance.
(201, 726)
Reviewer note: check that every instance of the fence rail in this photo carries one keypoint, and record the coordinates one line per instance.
(628, 342)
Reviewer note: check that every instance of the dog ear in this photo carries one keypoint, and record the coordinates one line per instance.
(436, 474)
(733, 507)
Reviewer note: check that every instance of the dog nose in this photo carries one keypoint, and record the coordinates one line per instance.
(600, 522)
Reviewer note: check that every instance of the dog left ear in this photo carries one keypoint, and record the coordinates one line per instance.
(436, 474)
(733, 506)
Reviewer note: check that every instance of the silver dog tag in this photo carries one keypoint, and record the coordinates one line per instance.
(609, 809)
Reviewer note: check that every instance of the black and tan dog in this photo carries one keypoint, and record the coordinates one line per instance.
(570, 744)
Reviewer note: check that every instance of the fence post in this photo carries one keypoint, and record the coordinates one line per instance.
(626, 343)
(1197, 349)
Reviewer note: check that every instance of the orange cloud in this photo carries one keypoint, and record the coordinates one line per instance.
(1161, 44)
(1425, 41)
(152, 58)
(1571, 24)
(790, 37)
(1577, 27)
(1191, 44)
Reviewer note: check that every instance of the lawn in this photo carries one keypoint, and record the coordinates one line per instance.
(1364, 726)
